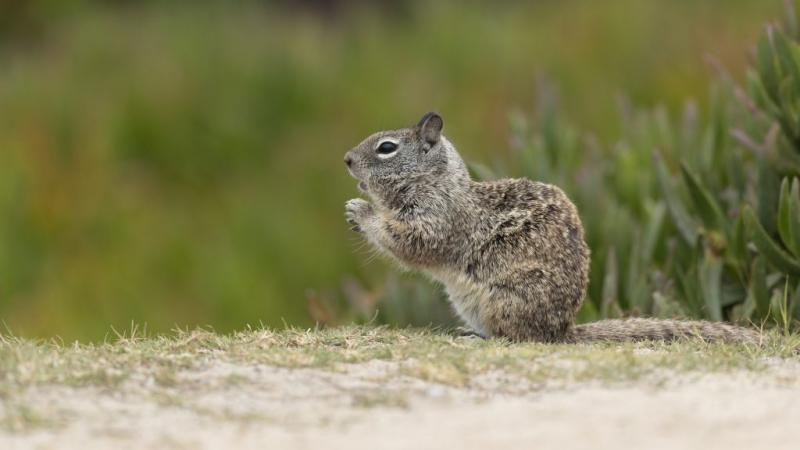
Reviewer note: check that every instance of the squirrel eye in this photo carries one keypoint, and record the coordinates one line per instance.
(386, 148)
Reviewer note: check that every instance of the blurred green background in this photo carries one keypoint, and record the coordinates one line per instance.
(180, 163)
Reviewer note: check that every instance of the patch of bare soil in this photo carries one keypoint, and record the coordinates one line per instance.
(372, 405)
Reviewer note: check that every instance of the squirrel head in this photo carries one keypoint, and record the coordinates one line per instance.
(390, 164)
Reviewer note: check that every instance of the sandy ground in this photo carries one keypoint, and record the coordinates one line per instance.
(371, 406)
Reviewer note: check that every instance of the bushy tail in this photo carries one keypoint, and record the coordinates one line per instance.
(624, 330)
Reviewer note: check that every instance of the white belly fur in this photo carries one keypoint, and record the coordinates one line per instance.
(465, 296)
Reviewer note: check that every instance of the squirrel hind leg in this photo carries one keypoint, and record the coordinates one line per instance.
(529, 306)
(526, 321)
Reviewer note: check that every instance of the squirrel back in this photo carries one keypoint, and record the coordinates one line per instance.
(511, 253)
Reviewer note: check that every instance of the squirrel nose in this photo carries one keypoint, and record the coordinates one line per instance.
(348, 160)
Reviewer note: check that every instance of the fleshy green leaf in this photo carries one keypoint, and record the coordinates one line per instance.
(767, 71)
(737, 249)
(784, 49)
(767, 191)
(710, 276)
(707, 208)
(788, 107)
(771, 250)
(610, 304)
(690, 291)
(652, 230)
(784, 206)
(636, 287)
(758, 289)
(732, 293)
(794, 216)
(683, 222)
(777, 306)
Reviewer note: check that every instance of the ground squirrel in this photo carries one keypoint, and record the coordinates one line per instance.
(511, 253)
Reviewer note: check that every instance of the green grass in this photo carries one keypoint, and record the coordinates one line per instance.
(429, 354)
(154, 366)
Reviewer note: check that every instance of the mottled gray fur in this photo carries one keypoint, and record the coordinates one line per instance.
(511, 253)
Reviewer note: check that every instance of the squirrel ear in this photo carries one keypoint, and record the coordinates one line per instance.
(430, 127)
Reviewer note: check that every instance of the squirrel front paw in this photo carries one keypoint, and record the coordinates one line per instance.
(356, 210)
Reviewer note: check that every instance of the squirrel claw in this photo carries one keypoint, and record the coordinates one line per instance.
(466, 332)
(355, 211)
